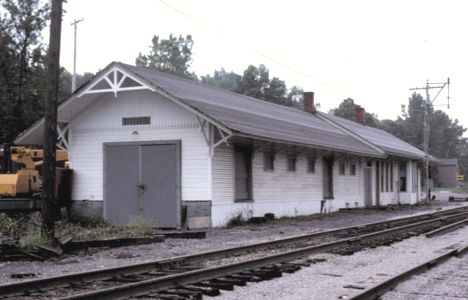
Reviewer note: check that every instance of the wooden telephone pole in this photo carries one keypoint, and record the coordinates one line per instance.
(50, 210)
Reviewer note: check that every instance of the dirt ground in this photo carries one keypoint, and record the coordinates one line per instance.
(216, 238)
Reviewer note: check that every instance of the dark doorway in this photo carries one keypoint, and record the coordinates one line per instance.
(243, 172)
(368, 184)
(377, 182)
(328, 177)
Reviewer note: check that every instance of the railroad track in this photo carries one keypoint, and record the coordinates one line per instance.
(191, 276)
(378, 290)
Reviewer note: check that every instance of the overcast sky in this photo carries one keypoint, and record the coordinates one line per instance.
(371, 51)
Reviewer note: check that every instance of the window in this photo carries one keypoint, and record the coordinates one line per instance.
(342, 169)
(311, 165)
(136, 121)
(352, 170)
(403, 177)
(268, 161)
(291, 163)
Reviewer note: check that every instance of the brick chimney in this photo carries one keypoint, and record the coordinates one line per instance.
(360, 113)
(309, 105)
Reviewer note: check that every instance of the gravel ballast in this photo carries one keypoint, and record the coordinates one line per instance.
(216, 239)
(341, 277)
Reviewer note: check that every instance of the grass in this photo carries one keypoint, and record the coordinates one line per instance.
(101, 231)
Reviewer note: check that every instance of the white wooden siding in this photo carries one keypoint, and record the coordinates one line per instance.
(347, 189)
(102, 122)
(280, 185)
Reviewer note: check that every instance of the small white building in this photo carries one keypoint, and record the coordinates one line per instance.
(179, 153)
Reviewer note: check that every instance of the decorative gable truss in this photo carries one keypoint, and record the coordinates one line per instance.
(117, 80)
(114, 81)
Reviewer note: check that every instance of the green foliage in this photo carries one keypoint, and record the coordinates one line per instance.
(137, 227)
(347, 110)
(255, 82)
(172, 55)
(8, 226)
(228, 81)
(33, 236)
(22, 65)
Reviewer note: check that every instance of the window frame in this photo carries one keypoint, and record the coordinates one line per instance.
(352, 169)
(311, 162)
(342, 169)
(293, 159)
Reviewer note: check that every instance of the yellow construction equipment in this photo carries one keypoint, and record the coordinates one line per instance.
(26, 181)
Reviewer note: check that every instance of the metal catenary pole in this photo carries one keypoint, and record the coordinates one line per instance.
(49, 201)
(74, 23)
(427, 126)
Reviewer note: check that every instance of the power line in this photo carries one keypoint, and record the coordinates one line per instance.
(250, 48)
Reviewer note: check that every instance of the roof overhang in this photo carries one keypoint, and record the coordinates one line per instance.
(114, 79)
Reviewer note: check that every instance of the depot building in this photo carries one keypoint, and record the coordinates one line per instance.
(145, 144)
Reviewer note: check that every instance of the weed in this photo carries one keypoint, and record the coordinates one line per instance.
(33, 236)
(8, 226)
(236, 220)
(139, 227)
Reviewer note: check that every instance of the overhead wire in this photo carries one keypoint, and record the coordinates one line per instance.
(260, 53)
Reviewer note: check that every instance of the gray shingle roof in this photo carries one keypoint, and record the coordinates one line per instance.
(255, 117)
(252, 117)
(384, 140)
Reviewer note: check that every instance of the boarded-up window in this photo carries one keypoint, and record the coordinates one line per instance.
(414, 174)
(342, 169)
(352, 169)
(311, 165)
(292, 163)
(136, 121)
(268, 161)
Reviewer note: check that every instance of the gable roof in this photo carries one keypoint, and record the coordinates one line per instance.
(244, 116)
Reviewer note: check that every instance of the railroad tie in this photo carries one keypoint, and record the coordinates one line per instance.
(217, 285)
(208, 291)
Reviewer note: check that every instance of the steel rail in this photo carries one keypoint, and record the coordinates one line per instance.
(141, 288)
(447, 228)
(64, 280)
(380, 289)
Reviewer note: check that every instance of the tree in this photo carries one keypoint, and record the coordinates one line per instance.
(347, 110)
(22, 65)
(255, 82)
(172, 55)
(225, 80)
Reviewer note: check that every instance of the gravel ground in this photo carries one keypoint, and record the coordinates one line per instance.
(445, 282)
(216, 238)
(341, 277)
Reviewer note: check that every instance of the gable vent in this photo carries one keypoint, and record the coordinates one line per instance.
(136, 121)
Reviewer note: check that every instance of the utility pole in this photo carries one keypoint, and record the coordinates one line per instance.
(428, 103)
(74, 23)
(50, 210)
